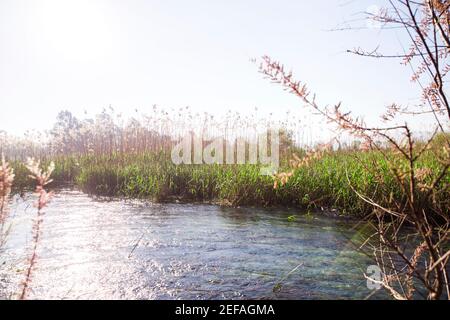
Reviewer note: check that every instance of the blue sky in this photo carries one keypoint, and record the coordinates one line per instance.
(89, 54)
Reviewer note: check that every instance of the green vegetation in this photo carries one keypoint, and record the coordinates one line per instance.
(107, 157)
(325, 182)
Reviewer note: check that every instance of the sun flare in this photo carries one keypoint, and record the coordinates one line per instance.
(76, 30)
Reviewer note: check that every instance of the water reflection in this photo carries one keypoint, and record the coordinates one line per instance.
(139, 250)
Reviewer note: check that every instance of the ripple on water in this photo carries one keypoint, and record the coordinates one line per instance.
(96, 249)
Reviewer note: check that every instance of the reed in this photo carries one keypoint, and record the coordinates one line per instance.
(6, 182)
(323, 182)
(111, 156)
(42, 179)
(109, 133)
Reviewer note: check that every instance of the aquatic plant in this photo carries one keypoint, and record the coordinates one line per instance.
(323, 183)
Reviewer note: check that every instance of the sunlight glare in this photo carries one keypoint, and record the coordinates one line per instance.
(76, 30)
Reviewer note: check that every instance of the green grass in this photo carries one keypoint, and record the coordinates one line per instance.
(324, 183)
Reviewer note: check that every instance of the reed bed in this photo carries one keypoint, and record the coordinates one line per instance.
(325, 183)
(110, 132)
(106, 157)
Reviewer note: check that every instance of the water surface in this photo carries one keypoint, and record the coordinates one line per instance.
(93, 249)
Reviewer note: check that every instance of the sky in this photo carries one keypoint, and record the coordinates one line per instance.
(85, 55)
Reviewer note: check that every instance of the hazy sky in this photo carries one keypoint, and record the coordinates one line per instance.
(89, 54)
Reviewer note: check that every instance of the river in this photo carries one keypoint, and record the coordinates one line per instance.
(123, 249)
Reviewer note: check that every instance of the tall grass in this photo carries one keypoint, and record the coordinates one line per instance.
(110, 133)
(6, 182)
(327, 182)
(106, 156)
(42, 179)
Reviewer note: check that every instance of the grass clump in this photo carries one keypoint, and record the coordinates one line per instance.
(328, 182)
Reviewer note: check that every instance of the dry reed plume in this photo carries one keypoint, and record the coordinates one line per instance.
(6, 181)
(110, 133)
(42, 179)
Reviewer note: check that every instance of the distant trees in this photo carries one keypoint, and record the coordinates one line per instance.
(66, 133)
(105, 134)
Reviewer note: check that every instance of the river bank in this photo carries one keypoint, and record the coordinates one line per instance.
(332, 181)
